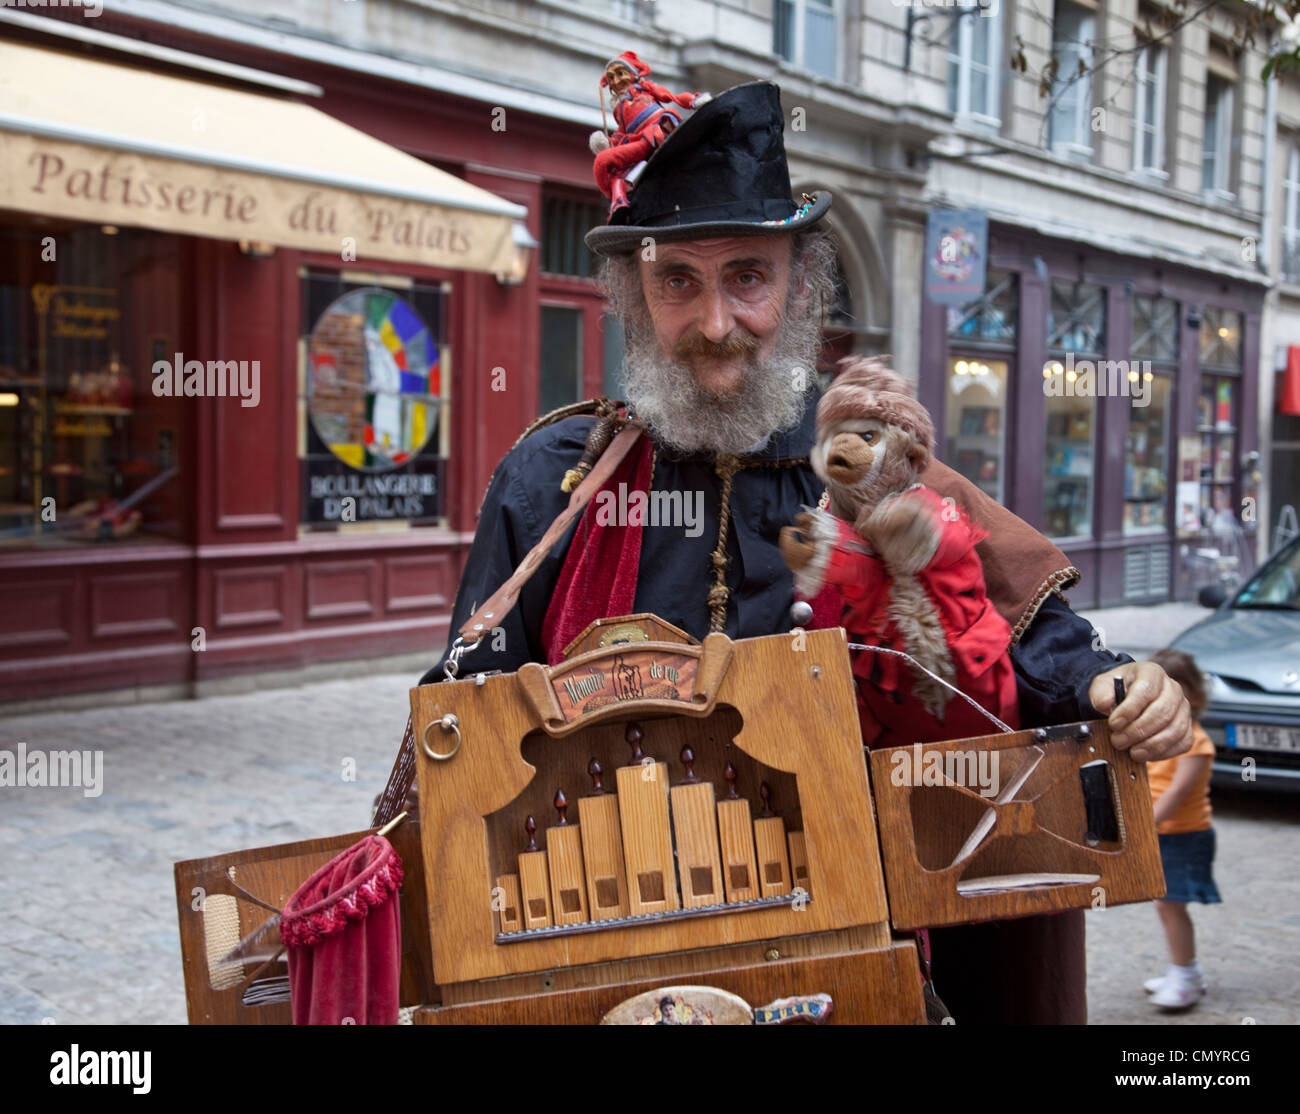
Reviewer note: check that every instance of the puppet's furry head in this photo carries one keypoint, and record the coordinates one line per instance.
(867, 387)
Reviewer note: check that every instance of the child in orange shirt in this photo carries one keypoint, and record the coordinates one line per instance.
(1180, 794)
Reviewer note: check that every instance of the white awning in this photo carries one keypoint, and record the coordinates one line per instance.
(97, 141)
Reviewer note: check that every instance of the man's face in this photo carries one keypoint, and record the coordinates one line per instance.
(717, 305)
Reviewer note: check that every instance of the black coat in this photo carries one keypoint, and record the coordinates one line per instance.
(1054, 659)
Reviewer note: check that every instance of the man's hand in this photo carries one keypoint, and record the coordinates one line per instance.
(1155, 720)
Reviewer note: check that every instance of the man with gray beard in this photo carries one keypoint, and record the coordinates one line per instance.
(721, 280)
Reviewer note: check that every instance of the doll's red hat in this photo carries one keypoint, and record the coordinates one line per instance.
(629, 60)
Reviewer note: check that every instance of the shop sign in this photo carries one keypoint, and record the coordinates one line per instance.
(333, 493)
(102, 185)
(956, 255)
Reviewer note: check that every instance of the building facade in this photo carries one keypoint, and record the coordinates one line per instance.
(1113, 237)
(1280, 367)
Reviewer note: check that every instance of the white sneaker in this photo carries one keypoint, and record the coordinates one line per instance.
(1152, 985)
(1178, 994)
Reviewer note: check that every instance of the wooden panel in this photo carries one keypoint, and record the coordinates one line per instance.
(534, 890)
(338, 588)
(647, 838)
(695, 828)
(773, 862)
(252, 468)
(798, 861)
(511, 914)
(874, 987)
(602, 856)
(36, 612)
(273, 873)
(134, 604)
(418, 583)
(248, 596)
(772, 697)
(1071, 816)
(739, 863)
(568, 882)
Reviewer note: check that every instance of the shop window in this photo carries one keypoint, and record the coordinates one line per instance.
(1146, 452)
(375, 395)
(1067, 486)
(1076, 319)
(90, 438)
(1076, 330)
(1218, 415)
(974, 63)
(1147, 456)
(993, 317)
(1217, 425)
(1069, 129)
(565, 222)
(612, 341)
(976, 422)
(1221, 339)
(560, 382)
(804, 34)
(1155, 328)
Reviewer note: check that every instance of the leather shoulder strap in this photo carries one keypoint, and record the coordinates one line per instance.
(505, 597)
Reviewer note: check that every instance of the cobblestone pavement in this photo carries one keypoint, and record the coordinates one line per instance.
(1246, 946)
(90, 915)
(87, 903)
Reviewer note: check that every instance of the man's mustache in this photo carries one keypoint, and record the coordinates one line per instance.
(738, 342)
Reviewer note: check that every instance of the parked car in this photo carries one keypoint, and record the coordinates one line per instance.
(1250, 651)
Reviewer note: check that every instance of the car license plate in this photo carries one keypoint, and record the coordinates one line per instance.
(1252, 736)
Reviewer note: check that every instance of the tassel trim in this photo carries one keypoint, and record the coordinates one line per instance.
(374, 886)
(1064, 578)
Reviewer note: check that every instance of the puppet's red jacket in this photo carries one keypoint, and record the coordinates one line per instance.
(977, 638)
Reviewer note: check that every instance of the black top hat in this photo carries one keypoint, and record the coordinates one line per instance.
(722, 172)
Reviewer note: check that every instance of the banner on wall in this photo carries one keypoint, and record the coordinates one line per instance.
(956, 255)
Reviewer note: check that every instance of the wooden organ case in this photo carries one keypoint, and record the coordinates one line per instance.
(657, 830)
(653, 811)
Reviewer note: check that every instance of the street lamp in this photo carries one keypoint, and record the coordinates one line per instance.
(524, 246)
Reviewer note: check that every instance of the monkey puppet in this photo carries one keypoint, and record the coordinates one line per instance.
(904, 565)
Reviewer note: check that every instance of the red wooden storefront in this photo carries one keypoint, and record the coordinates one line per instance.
(237, 573)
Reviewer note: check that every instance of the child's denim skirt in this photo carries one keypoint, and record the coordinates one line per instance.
(1186, 857)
